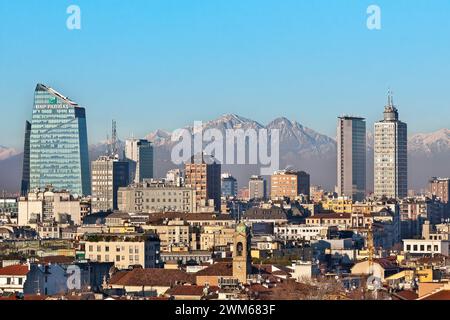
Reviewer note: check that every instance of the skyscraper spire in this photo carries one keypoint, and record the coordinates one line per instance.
(390, 98)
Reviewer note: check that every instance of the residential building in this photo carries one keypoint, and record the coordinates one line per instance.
(173, 234)
(176, 177)
(289, 184)
(351, 157)
(156, 196)
(124, 250)
(58, 144)
(139, 154)
(429, 247)
(50, 205)
(13, 277)
(108, 175)
(297, 232)
(229, 186)
(203, 174)
(257, 187)
(440, 188)
(390, 155)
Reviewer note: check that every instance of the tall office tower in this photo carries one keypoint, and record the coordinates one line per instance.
(229, 185)
(58, 143)
(391, 154)
(257, 187)
(108, 175)
(202, 172)
(139, 152)
(351, 157)
(25, 184)
(289, 184)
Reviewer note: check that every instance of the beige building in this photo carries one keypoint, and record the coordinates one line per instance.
(216, 236)
(51, 206)
(440, 187)
(203, 174)
(156, 196)
(173, 234)
(123, 250)
(108, 175)
(390, 155)
(289, 184)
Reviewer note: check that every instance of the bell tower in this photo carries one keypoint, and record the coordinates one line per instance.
(241, 253)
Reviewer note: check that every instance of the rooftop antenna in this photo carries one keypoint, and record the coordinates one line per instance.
(114, 150)
(390, 98)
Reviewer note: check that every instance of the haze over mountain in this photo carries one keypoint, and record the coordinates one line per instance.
(301, 148)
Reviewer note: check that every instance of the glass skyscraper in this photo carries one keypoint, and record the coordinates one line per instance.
(58, 143)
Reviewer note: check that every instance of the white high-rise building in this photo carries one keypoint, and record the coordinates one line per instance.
(139, 153)
(391, 155)
(351, 157)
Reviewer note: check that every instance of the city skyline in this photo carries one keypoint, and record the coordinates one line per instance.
(226, 60)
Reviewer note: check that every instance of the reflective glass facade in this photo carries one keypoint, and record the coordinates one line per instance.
(58, 143)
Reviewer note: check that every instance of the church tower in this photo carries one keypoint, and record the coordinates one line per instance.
(241, 254)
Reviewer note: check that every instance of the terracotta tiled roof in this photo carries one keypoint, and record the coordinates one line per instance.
(151, 277)
(386, 263)
(189, 290)
(331, 216)
(57, 260)
(440, 295)
(14, 270)
(223, 269)
(406, 295)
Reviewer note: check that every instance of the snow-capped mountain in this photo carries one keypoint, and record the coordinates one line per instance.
(301, 148)
(6, 153)
(429, 143)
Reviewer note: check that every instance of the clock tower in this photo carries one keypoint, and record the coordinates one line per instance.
(241, 253)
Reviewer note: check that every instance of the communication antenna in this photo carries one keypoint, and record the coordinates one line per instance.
(114, 138)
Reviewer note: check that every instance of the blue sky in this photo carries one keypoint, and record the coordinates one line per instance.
(164, 63)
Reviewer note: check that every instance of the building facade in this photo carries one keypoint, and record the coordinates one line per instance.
(156, 196)
(257, 187)
(351, 157)
(58, 143)
(440, 188)
(391, 155)
(139, 154)
(48, 206)
(203, 174)
(123, 250)
(289, 184)
(229, 185)
(108, 175)
(25, 183)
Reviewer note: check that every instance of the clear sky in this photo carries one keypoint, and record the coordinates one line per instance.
(164, 63)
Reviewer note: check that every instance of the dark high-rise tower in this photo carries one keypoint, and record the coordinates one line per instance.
(351, 157)
(25, 184)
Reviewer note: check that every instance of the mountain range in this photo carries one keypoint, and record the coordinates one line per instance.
(301, 148)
